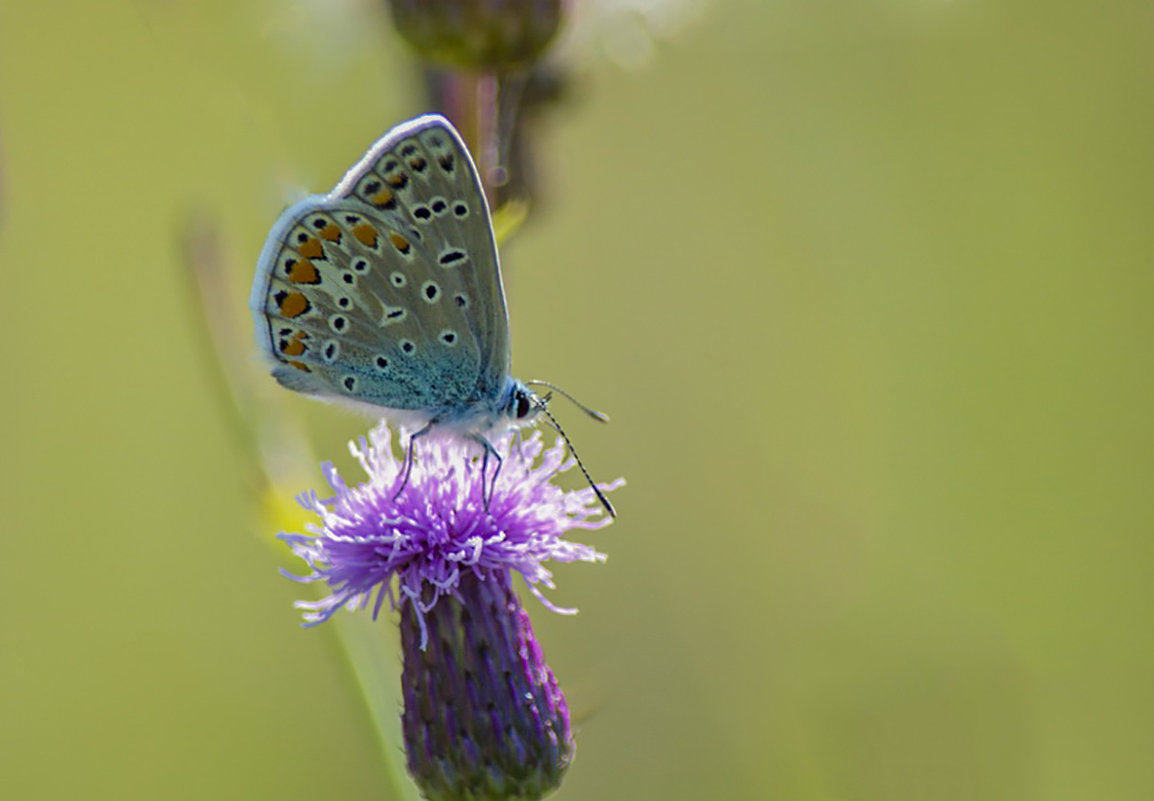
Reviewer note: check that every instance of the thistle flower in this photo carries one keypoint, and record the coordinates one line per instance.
(437, 528)
(484, 717)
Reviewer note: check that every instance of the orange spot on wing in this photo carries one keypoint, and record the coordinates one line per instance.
(299, 365)
(294, 348)
(331, 232)
(312, 249)
(382, 198)
(304, 272)
(292, 304)
(366, 235)
(399, 242)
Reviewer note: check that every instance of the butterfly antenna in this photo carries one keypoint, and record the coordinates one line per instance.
(557, 427)
(596, 415)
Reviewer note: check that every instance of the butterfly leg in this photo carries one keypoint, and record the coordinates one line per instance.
(409, 457)
(487, 487)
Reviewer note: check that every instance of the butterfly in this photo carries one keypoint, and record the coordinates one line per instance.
(386, 294)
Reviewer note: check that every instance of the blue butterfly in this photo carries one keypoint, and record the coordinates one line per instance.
(386, 293)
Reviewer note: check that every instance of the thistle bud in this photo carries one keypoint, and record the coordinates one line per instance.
(478, 34)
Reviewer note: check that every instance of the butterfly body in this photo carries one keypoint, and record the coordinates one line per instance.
(386, 293)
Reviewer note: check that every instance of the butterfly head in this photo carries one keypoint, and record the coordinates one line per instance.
(524, 404)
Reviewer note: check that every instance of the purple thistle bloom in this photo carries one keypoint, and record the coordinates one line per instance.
(483, 716)
(437, 529)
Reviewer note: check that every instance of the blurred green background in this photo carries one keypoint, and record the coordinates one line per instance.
(866, 287)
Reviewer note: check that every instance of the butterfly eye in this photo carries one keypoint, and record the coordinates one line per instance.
(523, 406)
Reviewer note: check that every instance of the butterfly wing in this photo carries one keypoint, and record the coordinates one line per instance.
(387, 290)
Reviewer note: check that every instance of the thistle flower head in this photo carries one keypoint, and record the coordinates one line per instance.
(436, 529)
(484, 718)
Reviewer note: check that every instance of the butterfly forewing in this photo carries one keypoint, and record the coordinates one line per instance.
(387, 290)
(422, 171)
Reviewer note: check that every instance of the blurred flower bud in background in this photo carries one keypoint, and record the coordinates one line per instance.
(478, 34)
